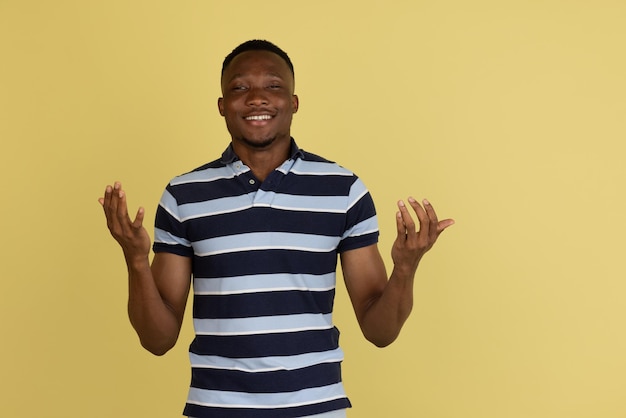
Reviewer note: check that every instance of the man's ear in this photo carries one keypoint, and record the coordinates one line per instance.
(220, 105)
(295, 102)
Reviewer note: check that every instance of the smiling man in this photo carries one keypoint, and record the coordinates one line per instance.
(259, 231)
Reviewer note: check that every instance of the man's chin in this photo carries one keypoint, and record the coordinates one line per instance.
(258, 143)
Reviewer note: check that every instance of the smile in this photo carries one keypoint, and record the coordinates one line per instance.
(258, 117)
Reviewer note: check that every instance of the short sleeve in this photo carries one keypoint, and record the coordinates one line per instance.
(361, 221)
(170, 234)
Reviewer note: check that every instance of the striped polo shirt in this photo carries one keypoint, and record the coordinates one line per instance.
(264, 262)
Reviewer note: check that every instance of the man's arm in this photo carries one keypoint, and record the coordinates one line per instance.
(157, 294)
(382, 305)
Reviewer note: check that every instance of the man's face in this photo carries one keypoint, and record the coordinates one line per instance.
(258, 101)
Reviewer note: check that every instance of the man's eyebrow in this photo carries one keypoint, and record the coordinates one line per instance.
(275, 75)
(234, 77)
(242, 75)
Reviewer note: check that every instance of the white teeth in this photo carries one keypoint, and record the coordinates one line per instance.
(259, 117)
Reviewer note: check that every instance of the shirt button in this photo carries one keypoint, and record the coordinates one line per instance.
(251, 181)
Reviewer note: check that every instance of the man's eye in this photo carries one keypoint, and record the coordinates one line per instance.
(239, 88)
(275, 86)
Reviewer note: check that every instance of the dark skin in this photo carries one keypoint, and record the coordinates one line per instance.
(258, 104)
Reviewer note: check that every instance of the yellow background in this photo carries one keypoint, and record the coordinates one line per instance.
(507, 115)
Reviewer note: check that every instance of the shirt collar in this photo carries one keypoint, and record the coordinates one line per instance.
(229, 156)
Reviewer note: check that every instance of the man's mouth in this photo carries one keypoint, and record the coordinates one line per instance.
(258, 117)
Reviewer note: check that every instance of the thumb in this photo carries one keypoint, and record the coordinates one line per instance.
(138, 222)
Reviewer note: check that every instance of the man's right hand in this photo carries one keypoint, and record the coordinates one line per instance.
(157, 293)
(131, 235)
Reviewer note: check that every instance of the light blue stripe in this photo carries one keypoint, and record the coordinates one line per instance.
(266, 364)
(287, 165)
(357, 191)
(164, 237)
(169, 203)
(215, 207)
(331, 204)
(205, 176)
(317, 168)
(362, 228)
(327, 204)
(224, 399)
(265, 241)
(262, 324)
(264, 283)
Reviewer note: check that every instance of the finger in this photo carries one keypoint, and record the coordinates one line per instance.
(114, 197)
(122, 208)
(422, 216)
(444, 224)
(107, 204)
(138, 222)
(433, 221)
(407, 220)
(400, 227)
(106, 200)
(103, 200)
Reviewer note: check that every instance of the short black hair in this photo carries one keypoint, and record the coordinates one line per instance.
(257, 45)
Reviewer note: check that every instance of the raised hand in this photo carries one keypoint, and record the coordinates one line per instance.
(130, 234)
(411, 244)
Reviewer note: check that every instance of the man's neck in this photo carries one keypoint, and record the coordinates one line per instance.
(262, 161)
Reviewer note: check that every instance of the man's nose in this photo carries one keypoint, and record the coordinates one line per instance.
(256, 97)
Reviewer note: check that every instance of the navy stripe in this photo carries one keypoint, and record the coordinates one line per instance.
(266, 345)
(358, 242)
(267, 382)
(165, 221)
(261, 219)
(265, 262)
(315, 185)
(309, 156)
(200, 192)
(273, 303)
(300, 411)
(363, 210)
(174, 249)
(213, 164)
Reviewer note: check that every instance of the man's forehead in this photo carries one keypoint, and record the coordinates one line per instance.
(257, 61)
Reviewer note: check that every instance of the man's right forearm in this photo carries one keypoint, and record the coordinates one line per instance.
(154, 321)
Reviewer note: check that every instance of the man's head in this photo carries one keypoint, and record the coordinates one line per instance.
(258, 99)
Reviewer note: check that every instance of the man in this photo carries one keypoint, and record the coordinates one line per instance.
(259, 230)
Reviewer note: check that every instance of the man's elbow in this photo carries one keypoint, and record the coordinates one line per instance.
(158, 349)
(381, 341)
